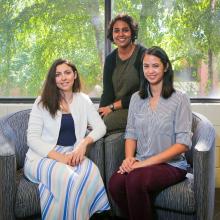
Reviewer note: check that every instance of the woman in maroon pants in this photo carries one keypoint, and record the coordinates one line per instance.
(158, 133)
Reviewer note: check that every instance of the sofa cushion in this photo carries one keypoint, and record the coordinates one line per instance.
(167, 199)
(114, 153)
(27, 201)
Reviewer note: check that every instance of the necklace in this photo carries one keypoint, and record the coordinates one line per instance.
(124, 56)
(68, 98)
(64, 104)
(69, 101)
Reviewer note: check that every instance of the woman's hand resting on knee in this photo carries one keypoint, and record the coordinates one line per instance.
(126, 165)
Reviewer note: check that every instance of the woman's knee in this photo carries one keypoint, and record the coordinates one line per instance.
(133, 186)
(137, 181)
(116, 183)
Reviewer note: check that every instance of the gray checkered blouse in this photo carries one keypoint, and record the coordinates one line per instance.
(156, 130)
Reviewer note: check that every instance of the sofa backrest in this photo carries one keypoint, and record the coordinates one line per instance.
(189, 154)
(14, 129)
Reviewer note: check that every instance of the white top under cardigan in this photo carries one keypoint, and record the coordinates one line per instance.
(43, 130)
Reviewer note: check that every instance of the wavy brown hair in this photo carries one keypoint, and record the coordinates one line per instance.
(127, 19)
(50, 96)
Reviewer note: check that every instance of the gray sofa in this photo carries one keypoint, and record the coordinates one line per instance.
(19, 197)
(191, 199)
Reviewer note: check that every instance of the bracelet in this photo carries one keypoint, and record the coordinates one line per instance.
(112, 107)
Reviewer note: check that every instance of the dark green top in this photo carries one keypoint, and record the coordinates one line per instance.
(125, 76)
(108, 95)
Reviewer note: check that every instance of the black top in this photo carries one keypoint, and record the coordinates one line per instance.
(108, 95)
(67, 135)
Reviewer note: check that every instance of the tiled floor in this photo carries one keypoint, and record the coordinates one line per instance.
(216, 213)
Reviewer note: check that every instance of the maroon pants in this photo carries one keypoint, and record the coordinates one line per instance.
(133, 191)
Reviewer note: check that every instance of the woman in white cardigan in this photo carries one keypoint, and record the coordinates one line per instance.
(70, 184)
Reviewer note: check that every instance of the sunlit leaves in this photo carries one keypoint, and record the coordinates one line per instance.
(187, 29)
(33, 33)
(36, 32)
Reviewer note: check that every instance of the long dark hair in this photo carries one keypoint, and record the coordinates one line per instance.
(127, 19)
(50, 96)
(167, 87)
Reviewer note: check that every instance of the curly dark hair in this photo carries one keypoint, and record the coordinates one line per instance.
(50, 96)
(167, 88)
(131, 23)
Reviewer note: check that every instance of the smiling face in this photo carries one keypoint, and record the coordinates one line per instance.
(65, 77)
(121, 34)
(153, 69)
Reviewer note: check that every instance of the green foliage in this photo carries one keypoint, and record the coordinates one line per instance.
(33, 33)
(186, 29)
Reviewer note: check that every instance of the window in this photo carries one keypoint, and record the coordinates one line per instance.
(189, 31)
(33, 33)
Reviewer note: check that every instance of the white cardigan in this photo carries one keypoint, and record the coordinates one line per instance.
(43, 130)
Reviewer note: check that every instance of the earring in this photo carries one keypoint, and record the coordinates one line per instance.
(75, 74)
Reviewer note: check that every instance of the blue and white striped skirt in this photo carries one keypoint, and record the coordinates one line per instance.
(66, 192)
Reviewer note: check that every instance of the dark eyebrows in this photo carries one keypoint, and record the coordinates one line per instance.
(122, 29)
(65, 71)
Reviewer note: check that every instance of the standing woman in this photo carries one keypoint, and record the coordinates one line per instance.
(122, 72)
(70, 185)
(158, 134)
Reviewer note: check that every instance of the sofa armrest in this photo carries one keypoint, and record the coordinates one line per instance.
(204, 170)
(7, 179)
